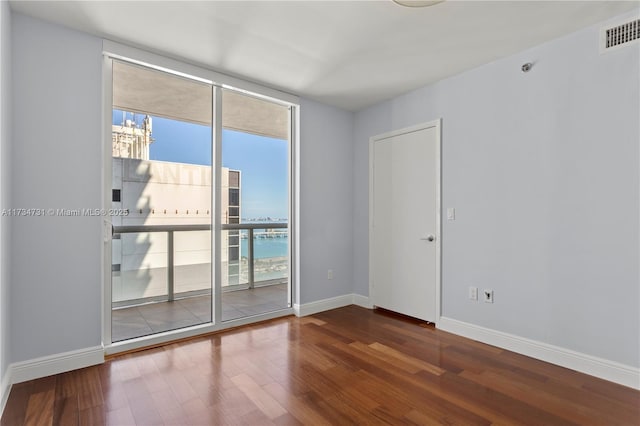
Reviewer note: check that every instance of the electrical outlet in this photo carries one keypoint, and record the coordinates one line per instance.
(451, 214)
(330, 274)
(473, 293)
(488, 295)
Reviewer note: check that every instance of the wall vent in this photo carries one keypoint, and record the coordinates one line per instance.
(619, 35)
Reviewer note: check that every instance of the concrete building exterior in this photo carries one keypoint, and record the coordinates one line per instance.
(166, 193)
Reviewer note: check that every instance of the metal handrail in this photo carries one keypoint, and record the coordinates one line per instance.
(250, 227)
(170, 229)
(242, 226)
(126, 229)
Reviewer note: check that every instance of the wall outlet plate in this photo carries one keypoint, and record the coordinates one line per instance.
(451, 214)
(488, 295)
(473, 293)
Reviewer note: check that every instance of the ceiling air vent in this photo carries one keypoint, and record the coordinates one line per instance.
(620, 35)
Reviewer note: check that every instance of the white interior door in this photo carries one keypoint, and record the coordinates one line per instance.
(404, 236)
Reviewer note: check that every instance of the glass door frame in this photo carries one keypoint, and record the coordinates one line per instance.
(218, 82)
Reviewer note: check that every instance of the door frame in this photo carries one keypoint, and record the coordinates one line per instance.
(111, 51)
(437, 124)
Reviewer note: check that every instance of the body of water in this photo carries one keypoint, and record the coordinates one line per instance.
(264, 248)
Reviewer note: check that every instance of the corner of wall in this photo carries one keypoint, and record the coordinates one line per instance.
(5, 389)
(302, 310)
(5, 192)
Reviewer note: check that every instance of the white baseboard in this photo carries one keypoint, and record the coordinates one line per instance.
(322, 305)
(362, 301)
(594, 366)
(55, 364)
(331, 303)
(5, 388)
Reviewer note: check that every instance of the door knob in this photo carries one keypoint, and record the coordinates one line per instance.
(428, 238)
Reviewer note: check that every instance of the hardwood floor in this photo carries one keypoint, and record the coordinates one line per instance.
(346, 366)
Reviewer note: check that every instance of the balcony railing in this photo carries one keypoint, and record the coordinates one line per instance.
(250, 228)
(171, 229)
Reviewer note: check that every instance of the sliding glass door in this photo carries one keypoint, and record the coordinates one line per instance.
(255, 205)
(162, 184)
(173, 173)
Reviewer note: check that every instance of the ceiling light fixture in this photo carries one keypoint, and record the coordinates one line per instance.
(417, 3)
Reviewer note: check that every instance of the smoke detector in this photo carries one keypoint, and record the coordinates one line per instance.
(417, 3)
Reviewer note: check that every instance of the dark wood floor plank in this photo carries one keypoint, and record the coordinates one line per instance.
(382, 356)
(16, 406)
(168, 408)
(398, 356)
(354, 412)
(208, 387)
(260, 398)
(144, 410)
(181, 388)
(40, 409)
(114, 396)
(613, 391)
(320, 405)
(315, 333)
(390, 400)
(401, 400)
(555, 406)
(295, 405)
(418, 385)
(417, 334)
(44, 384)
(345, 366)
(255, 367)
(311, 354)
(66, 385)
(627, 414)
(520, 411)
(93, 416)
(120, 417)
(287, 420)
(89, 388)
(562, 375)
(65, 412)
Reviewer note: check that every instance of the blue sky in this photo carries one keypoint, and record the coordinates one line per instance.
(262, 160)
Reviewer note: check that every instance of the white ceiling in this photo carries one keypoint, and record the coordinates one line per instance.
(350, 54)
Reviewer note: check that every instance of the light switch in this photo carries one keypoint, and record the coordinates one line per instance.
(451, 214)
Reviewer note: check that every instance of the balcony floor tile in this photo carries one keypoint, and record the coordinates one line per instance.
(142, 320)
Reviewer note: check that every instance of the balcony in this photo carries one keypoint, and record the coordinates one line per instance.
(176, 292)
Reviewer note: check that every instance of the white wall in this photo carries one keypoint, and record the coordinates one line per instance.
(5, 189)
(57, 123)
(543, 170)
(326, 159)
(55, 290)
